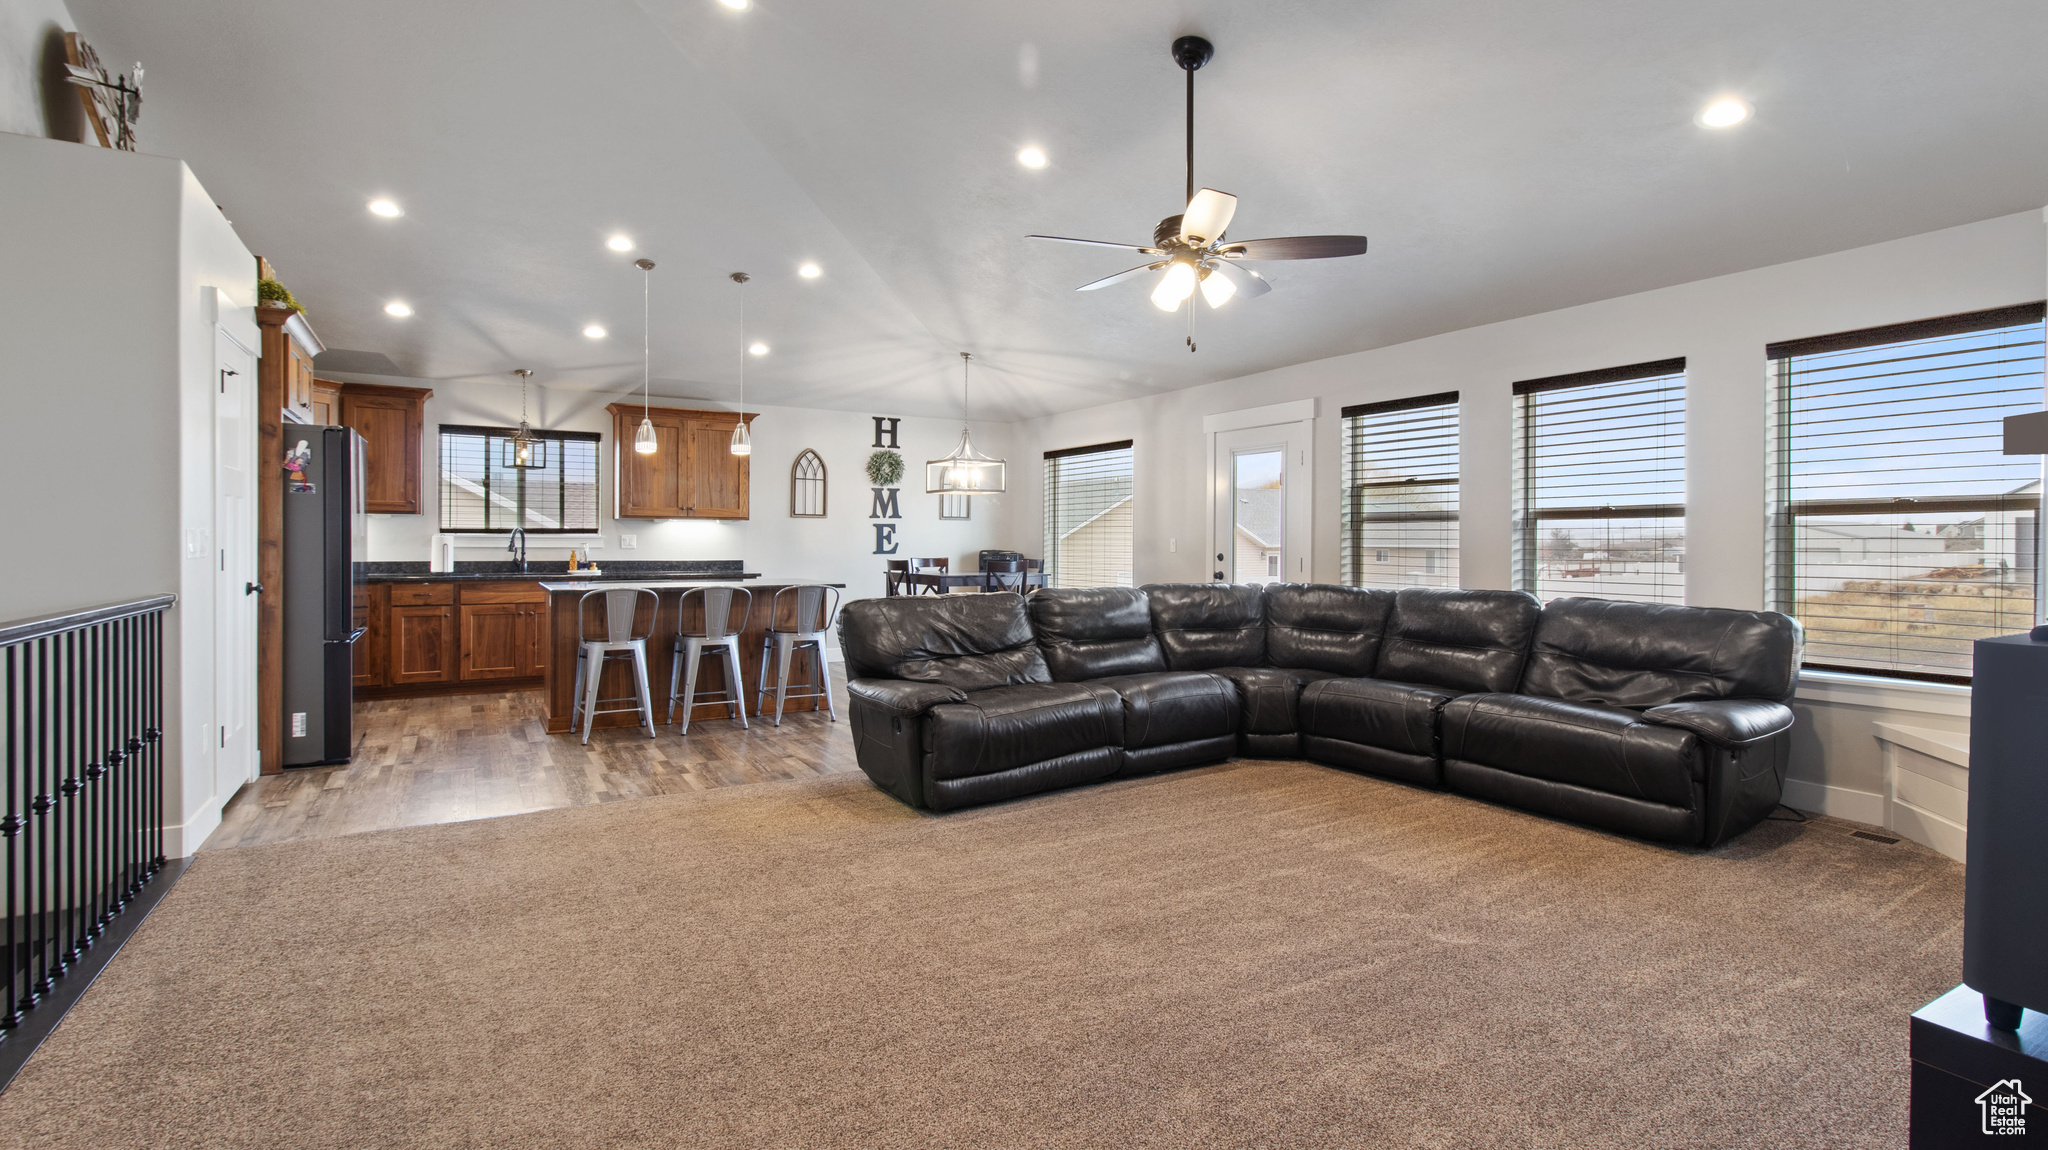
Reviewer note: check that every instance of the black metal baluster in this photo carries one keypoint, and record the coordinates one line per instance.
(39, 810)
(154, 734)
(10, 829)
(70, 902)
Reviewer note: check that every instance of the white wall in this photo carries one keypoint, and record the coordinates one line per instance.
(1719, 325)
(26, 29)
(837, 549)
(106, 449)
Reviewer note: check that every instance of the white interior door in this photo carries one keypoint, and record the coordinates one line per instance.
(234, 537)
(1259, 477)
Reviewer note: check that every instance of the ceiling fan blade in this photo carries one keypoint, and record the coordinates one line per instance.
(1250, 284)
(1099, 244)
(1119, 277)
(1295, 248)
(1207, 217)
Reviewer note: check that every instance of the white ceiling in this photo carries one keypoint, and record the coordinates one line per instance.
(1505, 157)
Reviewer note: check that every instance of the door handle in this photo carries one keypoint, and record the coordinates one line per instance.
(1219, 576)
(252, 588)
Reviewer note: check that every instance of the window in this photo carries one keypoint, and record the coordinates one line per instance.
(480, 492)
(1899, 530)
(1401, 492)
(1599, 484)
(1088, 516)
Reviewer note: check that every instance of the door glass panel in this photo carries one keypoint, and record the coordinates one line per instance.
(1259, 515)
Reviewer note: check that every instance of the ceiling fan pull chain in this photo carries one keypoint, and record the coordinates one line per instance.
(1191, 314)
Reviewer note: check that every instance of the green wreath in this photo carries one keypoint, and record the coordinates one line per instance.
(885, 468)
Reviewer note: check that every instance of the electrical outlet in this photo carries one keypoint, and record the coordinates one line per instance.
(628, 542)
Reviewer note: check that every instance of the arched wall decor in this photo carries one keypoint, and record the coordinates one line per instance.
(807, 486)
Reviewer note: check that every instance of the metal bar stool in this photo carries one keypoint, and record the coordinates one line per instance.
(814, 605)
(622, 638)
(715, 633)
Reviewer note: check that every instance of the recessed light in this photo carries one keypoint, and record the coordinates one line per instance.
(594, 331)
(758, 349)
(1032, 157)
(737, 5)
(399, 308)
(1725, 112)
(810, 271)
(620, 243)
(386, 208)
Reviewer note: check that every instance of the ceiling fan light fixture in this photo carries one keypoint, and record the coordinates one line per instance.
(1217, 289)
(1175, 286)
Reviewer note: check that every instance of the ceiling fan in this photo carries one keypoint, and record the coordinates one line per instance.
(1191, 247)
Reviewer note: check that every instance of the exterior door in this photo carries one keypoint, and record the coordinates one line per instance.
(234, 539)
(1259, 482)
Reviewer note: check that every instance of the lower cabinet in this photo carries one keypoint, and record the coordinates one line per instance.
(502, 640)
(422, 648)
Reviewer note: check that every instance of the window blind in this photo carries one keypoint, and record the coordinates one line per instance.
(1599, 484)
(1088, 516)
(1900, 532)
(1401, 493)
(479, 492)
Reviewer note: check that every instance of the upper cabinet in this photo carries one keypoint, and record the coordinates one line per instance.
(289, 346)
(392, 422)
(692, 473)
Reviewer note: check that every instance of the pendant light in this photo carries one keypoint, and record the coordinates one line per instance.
(644, 441)
(742, 443)
(966, 471)
(525, 449)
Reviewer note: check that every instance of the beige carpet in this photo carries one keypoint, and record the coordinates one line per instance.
(1270, 955)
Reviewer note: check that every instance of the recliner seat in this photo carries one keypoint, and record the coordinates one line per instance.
(1659, 721)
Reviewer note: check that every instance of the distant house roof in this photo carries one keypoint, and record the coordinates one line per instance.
(1258, 514)
(1082, 501)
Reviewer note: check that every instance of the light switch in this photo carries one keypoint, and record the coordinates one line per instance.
(628, 542)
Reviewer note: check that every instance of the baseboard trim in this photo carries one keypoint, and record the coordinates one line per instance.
(183, 840)
(1839, 802)
(17, 1045)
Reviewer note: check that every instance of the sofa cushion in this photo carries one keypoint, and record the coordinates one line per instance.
(972, 642)
(1644, 654)
(1319, 627)
(1592, 745)
(1173, 707)
(1460, 640)
(1003, 728)
(1205, 625)
(1092, 632)
(1269, 698)
(1375, 713)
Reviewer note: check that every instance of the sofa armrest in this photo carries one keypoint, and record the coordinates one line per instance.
(1730, 723)
(903, 698)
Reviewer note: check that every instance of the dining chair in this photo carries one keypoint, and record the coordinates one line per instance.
(924, 567)
(1004, 575)
(714, 633)
(811, 609)
(622, 638)
(895, 577)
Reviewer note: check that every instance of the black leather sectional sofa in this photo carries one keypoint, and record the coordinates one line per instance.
(1664, 722)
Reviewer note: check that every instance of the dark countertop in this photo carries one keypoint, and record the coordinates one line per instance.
(617, 571)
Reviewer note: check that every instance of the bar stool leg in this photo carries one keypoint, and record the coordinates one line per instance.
(675, 679)
(593, 676)
(576, 694)
(735, 692)
(761, 680)
(640, 686)
(785, 649)
(825, 678)
(694, 653)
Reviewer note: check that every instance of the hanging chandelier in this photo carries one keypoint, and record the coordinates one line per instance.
(525, 449)
(644, 440)
(742, 443)
(966, 471)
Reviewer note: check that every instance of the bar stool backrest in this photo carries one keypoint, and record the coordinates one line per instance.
(621, 614)
(816, 605)
(717, 603)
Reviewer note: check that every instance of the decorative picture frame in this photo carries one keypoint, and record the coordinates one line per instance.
(956, 506)
(807, 486)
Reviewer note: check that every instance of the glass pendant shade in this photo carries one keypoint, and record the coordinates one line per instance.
(966, 471)
(643, 439)
(525, 449)
(742, 443)
(1174, 287)
(1217, 288)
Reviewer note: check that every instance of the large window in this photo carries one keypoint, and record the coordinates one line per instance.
(1088, 516)
(1401, 492)
(1899, 530)
(482, 491)
(1599, 485)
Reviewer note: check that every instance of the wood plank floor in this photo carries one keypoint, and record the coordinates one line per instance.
(455, 757)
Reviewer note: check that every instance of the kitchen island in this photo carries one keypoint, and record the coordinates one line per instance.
(565, 601)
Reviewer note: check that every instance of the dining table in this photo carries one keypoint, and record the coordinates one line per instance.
(941, 582)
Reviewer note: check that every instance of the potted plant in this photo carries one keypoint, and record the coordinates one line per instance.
(270, 293)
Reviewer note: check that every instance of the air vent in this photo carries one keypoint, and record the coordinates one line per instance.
(1873, 836)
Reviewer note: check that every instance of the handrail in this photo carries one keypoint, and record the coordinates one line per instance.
(27, 629)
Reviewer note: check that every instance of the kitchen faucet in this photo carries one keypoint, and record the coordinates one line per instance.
(517, 545)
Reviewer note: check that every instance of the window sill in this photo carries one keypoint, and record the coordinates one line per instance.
(1883, 692)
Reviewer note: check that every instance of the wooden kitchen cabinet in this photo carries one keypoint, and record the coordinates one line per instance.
(392, 422)
(692, 473)
(422, 645)
(326, 405)
(504, 631)
(372, 607)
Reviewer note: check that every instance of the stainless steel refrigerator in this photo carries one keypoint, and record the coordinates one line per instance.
(324, 550)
